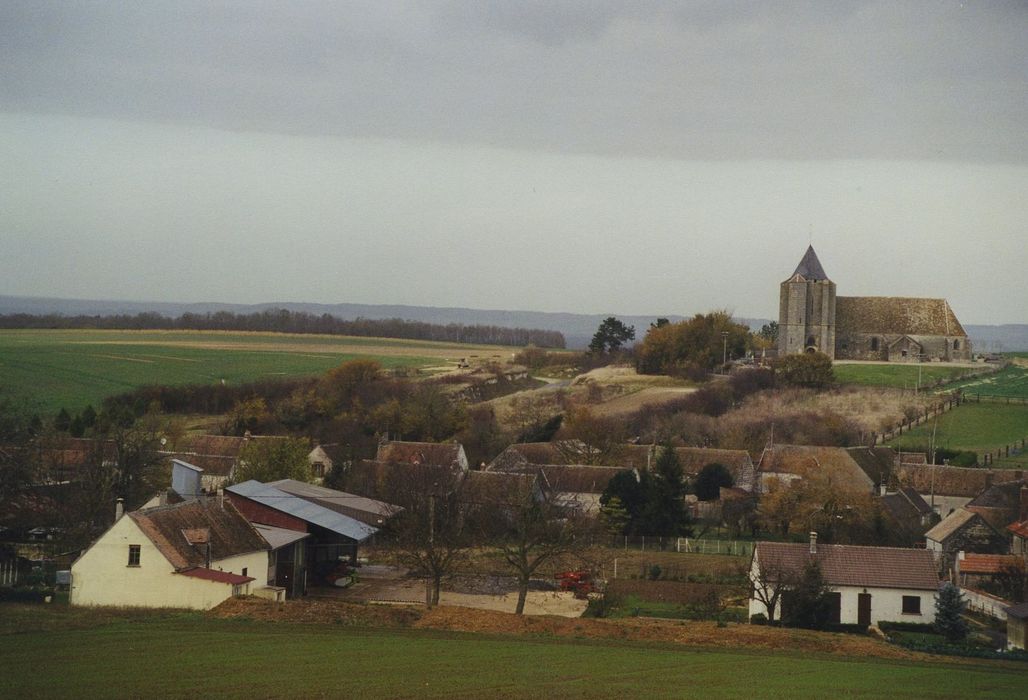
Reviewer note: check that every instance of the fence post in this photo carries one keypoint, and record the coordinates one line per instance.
(678, 545)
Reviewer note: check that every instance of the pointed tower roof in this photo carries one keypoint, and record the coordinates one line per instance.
(810, 267)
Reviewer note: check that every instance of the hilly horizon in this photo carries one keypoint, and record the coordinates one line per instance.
(577, 328)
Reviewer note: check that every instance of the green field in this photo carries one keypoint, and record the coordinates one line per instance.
(188, 655)
(1011, 381)
(899, 376)
(73, 368)
(972, 426)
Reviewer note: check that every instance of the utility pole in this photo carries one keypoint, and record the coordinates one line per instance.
(724, 356)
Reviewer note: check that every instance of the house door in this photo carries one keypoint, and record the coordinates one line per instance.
(864, 609)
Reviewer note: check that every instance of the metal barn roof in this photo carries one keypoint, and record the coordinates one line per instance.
(303, 509)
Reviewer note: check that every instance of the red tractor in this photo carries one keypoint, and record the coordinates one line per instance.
(578, 582)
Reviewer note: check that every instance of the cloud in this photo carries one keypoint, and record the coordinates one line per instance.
(698, 80)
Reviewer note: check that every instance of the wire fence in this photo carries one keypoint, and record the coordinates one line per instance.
(683, 545)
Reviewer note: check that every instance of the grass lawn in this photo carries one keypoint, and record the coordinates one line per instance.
(73, 368)
(192, 656)
(1011, 381)
(972, 426)
(899, 376)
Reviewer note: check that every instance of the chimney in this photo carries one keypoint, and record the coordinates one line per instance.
(119, 508)
(813, 542)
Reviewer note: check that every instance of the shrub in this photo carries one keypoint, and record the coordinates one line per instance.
(654, 572)
(949, 607)
(758, 619)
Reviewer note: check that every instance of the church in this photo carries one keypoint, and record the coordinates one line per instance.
(891, 329)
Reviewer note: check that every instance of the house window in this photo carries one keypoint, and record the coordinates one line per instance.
(244, 571)
(319, 469)
(874, 344)
(133, 555)
(911, 605)
(956, 344)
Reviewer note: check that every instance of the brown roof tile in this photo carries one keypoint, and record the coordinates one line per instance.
(966, 482)
(950, 524)
(974, 563)
(168, 527)
(441, 454)
(802, 460)
(851, 565)
(901, 315)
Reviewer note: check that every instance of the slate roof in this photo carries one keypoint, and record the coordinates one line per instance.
(876, 462)
(810, 267)
(305, 510)
(999, 504)
(367, 510)
(169, 528)
(212, 465)
(575, 478)
(897, 315)
(851, 565)
(443, 454)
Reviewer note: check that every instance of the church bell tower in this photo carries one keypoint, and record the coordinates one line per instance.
(806, 313)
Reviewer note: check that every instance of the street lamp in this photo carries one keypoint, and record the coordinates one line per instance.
(724, 356)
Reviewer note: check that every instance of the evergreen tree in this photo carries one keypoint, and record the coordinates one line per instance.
(665, 512)
(63, 420)
(808, 604)
(949, 606)
(710, 480)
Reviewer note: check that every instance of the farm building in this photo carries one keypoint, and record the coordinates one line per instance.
(869, 584)
(787, 463)
(324, 458)
(438, 454)
(194, 554)
(1017, 626)
(326, 515)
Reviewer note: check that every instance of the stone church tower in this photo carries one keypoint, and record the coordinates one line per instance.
(806, 313)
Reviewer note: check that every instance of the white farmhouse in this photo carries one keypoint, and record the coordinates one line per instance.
(869, 584)
(188, 555)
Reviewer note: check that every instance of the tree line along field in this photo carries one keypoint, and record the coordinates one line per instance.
(186, 655)
(74, 368)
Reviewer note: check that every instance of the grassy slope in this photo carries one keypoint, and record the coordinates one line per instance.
(1010, 381)
(898, 376)
(75, 368)
(193, 656)
(972, 426)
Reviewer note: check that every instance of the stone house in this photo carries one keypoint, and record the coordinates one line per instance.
(962, 530)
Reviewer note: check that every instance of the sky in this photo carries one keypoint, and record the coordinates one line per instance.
(595, 157)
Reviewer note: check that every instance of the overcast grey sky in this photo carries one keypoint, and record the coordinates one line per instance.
(625, 157)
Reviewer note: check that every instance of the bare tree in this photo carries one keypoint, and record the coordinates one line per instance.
(527, 528)
(769, 582)
(432, 532)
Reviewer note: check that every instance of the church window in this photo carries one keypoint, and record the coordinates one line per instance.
(874, 344)
(810, 341)
(956, 344)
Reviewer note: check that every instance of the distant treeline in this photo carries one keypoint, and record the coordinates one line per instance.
(283, 321)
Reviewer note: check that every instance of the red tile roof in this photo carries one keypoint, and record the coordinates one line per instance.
(1019, 529)
(851, 565)
(973, 563)
(442, 454)
(219, 576)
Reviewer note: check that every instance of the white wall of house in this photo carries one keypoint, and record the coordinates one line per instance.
(886, 605)
(102, 575)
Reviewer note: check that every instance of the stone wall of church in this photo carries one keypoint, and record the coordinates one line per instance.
(851, 345)
(806, 317)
